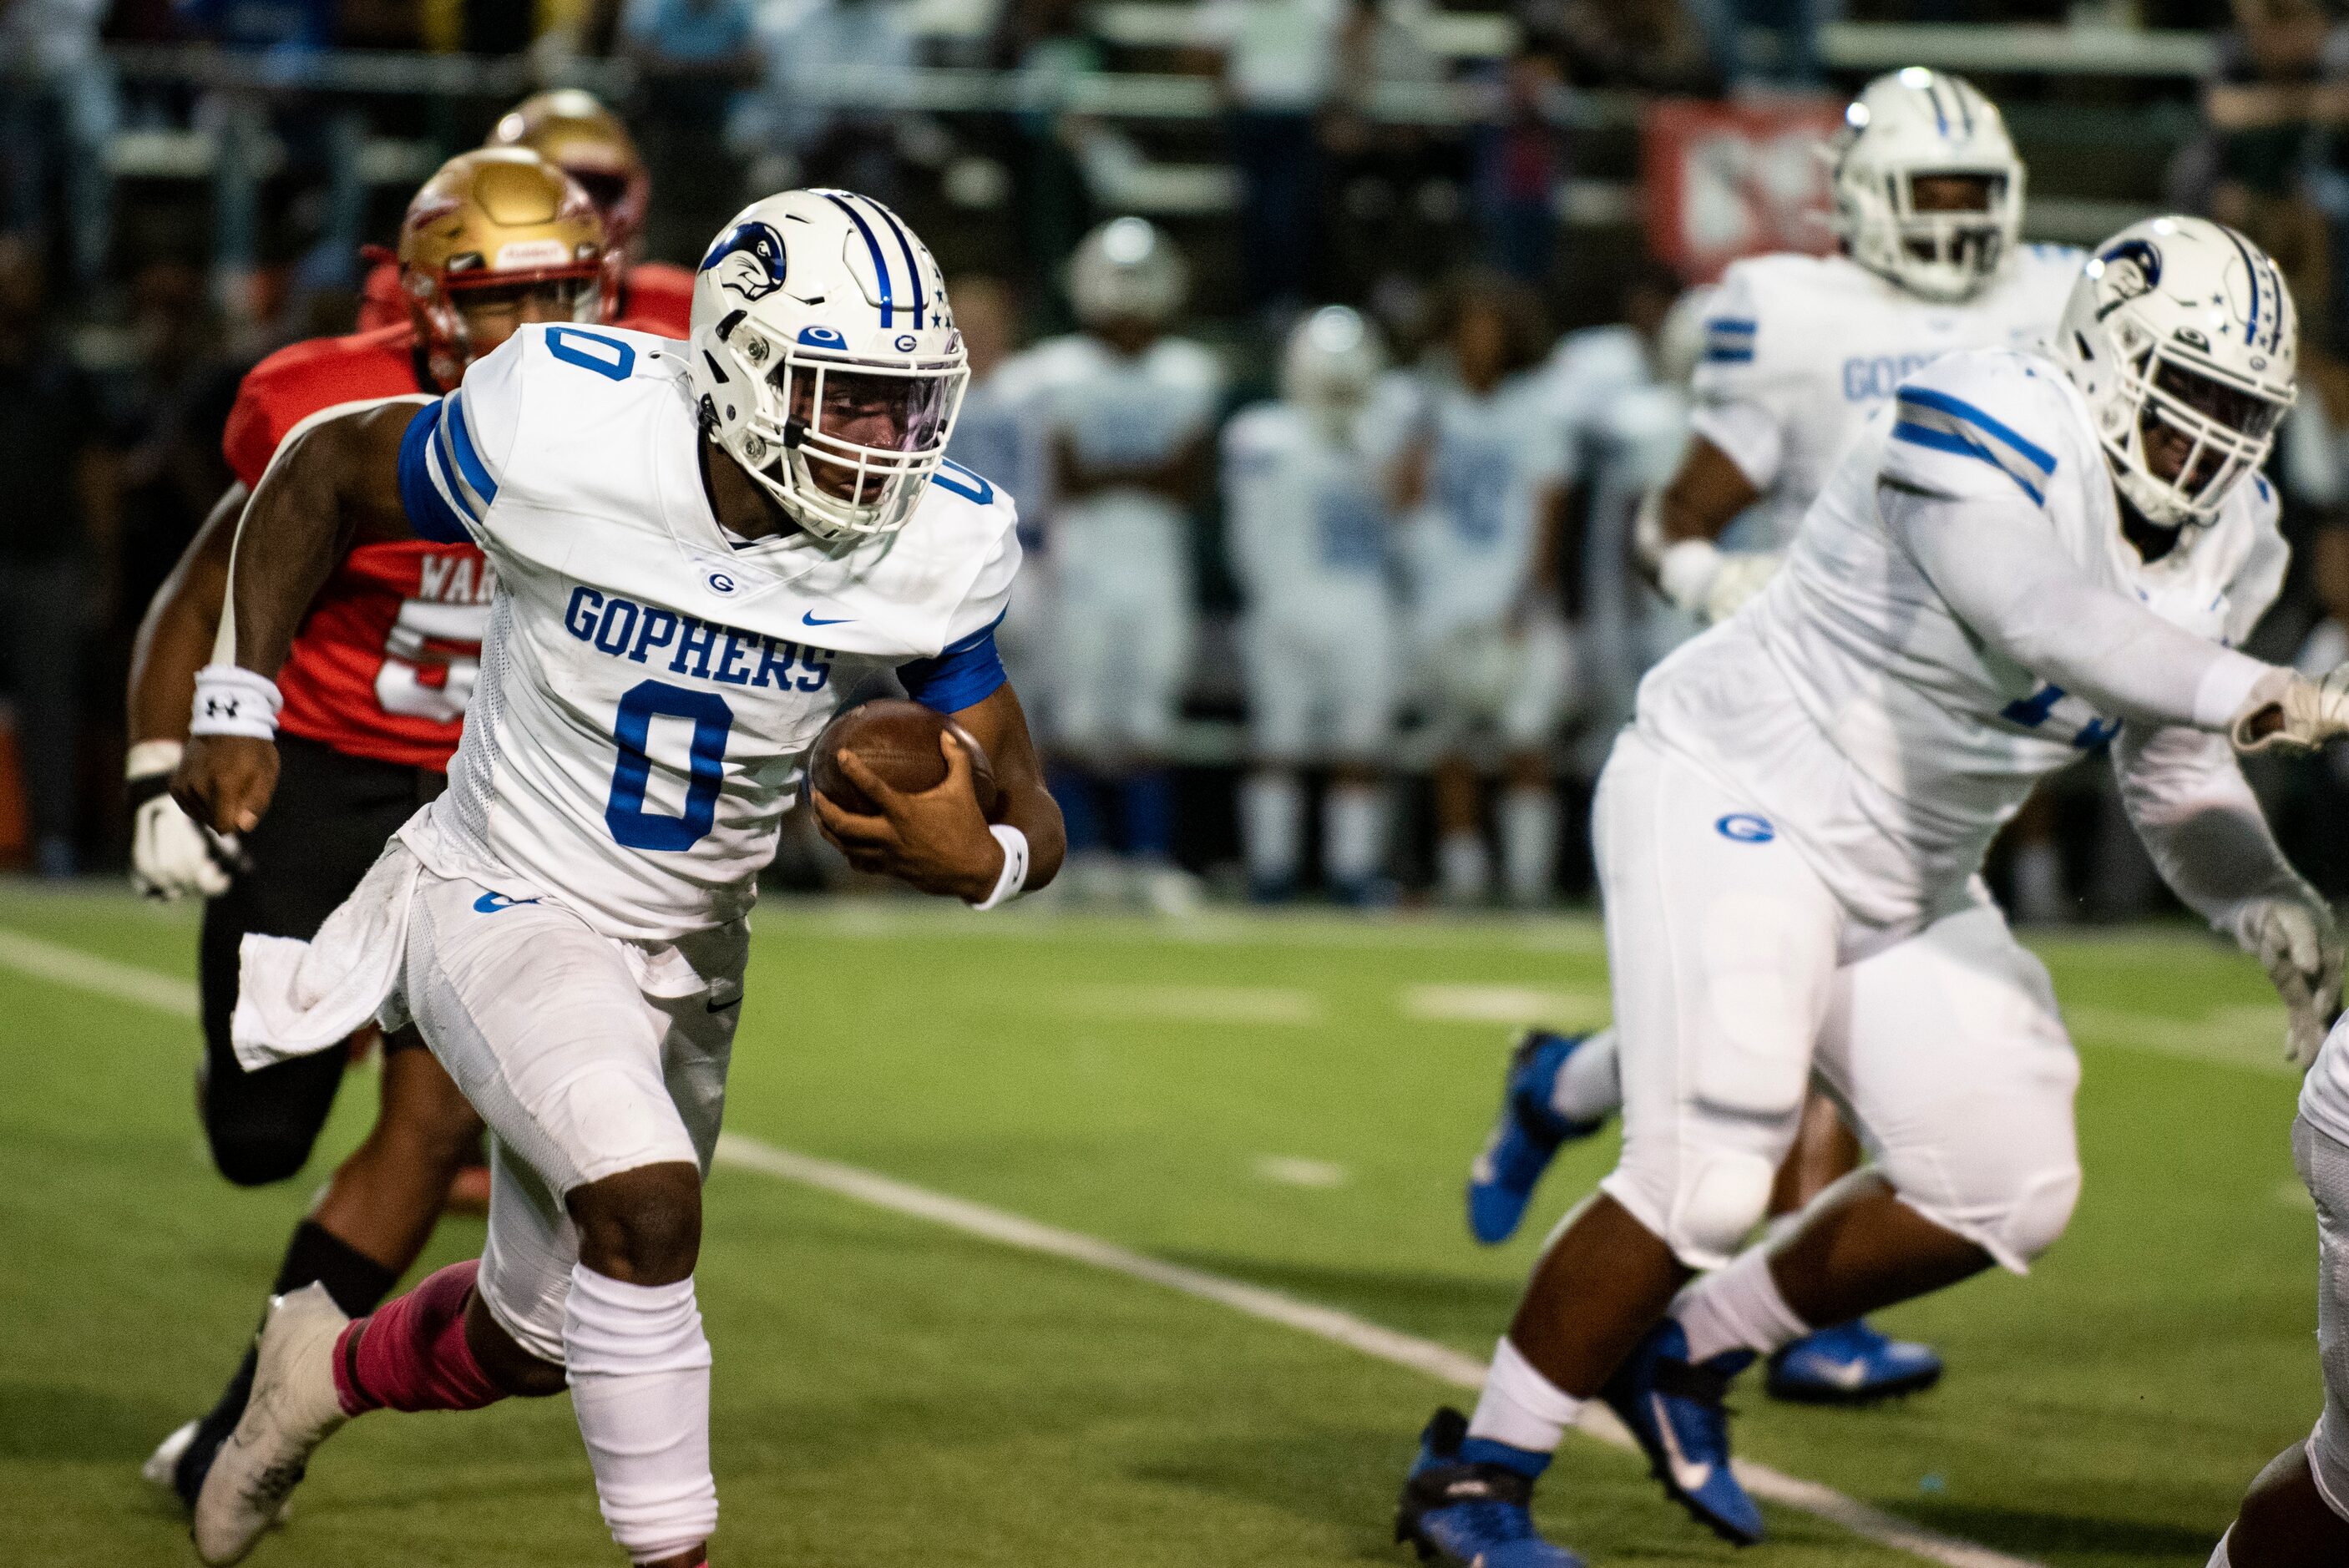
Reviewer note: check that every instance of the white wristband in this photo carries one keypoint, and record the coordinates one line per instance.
(234, 700)
(1015, 867)
(150, 758)
(1686, 572)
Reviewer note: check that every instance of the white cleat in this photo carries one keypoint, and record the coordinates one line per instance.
(164, 1462)
(294, 1409)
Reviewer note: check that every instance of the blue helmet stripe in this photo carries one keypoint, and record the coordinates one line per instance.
(2251, 326)
(906, 247)
(880, 264)
(1933, 92)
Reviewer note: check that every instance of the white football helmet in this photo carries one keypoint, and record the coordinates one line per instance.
(1127, 269)
(1914, 124)
(826, 360)
(1331, 365)
(2181, 334)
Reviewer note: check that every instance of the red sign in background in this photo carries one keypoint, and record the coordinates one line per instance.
(1721, 180)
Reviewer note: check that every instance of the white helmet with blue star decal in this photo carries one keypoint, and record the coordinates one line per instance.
(826, 359)
(2181, 334)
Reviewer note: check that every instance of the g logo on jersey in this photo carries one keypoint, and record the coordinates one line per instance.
(749, 259)
(1746, 828)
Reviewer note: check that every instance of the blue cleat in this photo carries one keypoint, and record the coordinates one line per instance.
(1852, 1364)
(1525, 1137)
(1470, 1507)
(1675, 1411)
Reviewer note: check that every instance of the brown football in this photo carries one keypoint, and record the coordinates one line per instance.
(898, 740)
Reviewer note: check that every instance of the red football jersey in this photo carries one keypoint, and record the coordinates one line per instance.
(656, 297)
(385, 660)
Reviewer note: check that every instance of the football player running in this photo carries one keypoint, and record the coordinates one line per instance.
(2297, 1514)
(1129, 409)
(1308, 525)
(374, 687)
(1480, 480)
(2026, 557)
(1797, 352)
(572, 131)
(698, 551)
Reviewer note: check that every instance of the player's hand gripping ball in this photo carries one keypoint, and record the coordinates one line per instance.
(904, 791)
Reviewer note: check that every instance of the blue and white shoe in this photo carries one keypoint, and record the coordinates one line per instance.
(1472, 1508)
(1851, 1364)
(1675, 1409)
(1526, 1135)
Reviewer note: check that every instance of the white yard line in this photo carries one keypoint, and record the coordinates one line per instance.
(62, 966)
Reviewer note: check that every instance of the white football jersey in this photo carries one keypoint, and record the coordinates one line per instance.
(1800, 350)
(1306, 516)
(1115, 409)
(648, 687)
(1887, 735)
(1491, 461)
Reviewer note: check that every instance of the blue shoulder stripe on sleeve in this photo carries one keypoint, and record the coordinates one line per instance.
(1942, 440)
(429, 512)
(1958, 408)
(1728, 356)
(964, 672)
(469, 461)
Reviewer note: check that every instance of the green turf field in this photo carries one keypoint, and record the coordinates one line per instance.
(1288, 1102)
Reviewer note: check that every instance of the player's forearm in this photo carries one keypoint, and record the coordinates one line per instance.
(1674, 538)
(1000, 728)
(2199, 821)
(1998, 566)
(175, 636)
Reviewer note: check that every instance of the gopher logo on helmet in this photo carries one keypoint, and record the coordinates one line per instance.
(749, 259)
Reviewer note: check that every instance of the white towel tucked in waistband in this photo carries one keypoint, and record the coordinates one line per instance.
(295, 998)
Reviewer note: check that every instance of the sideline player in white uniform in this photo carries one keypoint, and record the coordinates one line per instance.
(999, 434)
(1489, 642)
(2027, 557)
(1306, 512)
(1130, 410)
(699, 554)
(1798, 352)
(2297, 1514)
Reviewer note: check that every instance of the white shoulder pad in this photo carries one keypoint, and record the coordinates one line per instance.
(1982, 422)
(964, 514)
(1259, 431)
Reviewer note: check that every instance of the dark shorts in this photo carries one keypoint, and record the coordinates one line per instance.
(326, 826)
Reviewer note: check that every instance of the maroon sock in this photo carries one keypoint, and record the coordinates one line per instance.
(411, 1354)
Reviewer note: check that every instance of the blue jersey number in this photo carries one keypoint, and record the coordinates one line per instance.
(606, 357)
(2034, 710)
(624, 812)
(1471, 490)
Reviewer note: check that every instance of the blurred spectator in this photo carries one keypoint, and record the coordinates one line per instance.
(807, 46)
(1758, 41)
(1047, 41)
(324, 138)
(1382, 171)
(1520, 168)
(57, 114)
(1648, 45)
(56, 550)
(172, 410)
(1279, 67)
(696, 57)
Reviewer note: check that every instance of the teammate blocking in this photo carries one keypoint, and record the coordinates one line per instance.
(2031, 555)
(700, 552)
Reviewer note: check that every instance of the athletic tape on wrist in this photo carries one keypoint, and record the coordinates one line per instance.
(1014, 877)
(151, 758)
(1686, 573)
(234, 700)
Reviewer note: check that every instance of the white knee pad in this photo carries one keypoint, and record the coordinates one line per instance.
(1705, 1217)
(639, 1374)
(2013, 1227)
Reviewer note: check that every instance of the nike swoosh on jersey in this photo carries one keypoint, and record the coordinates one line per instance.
(491, 902)
(810, 618)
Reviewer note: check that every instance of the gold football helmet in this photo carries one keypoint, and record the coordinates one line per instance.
(568, 128)
(496, 238)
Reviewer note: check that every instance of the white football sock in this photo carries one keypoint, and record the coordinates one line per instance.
(1520, 1406)
(2218, 1553)
(1353, 833)
(639, 1372)
(1272, 815)
(1529, 844)
(1590, 1085)
(1737, 1306)
(1461, 867)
